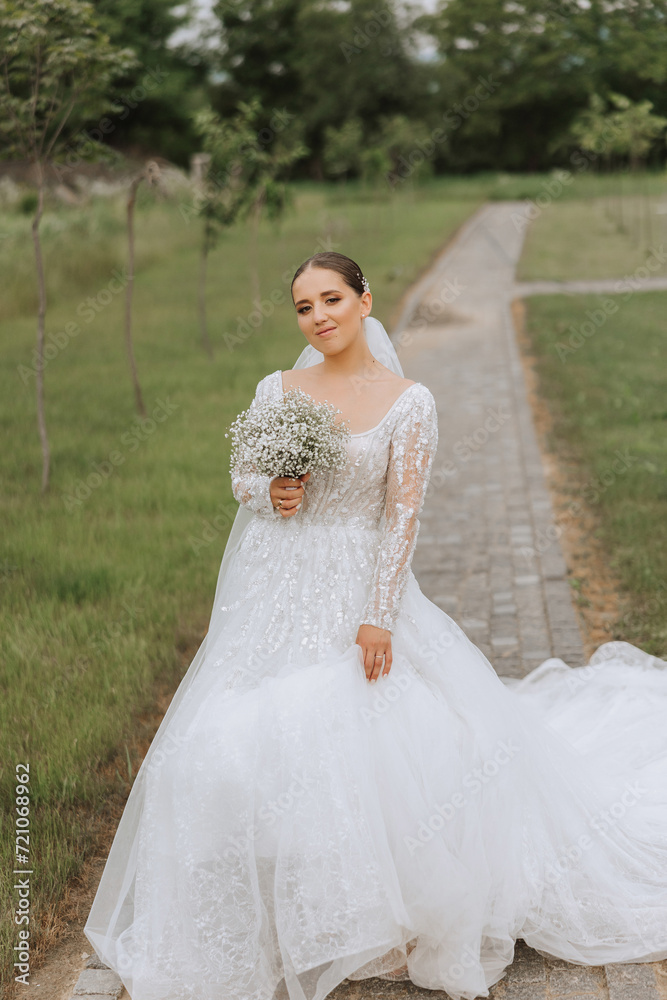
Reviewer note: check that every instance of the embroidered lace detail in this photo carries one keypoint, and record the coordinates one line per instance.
(251, 488)
(382, 488)
(412, 448)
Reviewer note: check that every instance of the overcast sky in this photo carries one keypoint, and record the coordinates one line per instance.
(203, 18)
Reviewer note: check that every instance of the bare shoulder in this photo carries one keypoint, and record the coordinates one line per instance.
(301, 376)
(397, 382)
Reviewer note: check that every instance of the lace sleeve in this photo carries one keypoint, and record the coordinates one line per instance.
(251, 488)
(412, 450)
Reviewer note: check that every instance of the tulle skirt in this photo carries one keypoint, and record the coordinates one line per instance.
(296, 825)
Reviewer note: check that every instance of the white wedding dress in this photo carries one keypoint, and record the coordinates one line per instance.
(293, 825)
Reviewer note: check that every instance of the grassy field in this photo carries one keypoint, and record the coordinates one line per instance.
(106, 584)
(601, 365)
(601, 237)
(606, 390)
(107, 580)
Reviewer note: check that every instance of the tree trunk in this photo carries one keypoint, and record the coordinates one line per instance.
(648, 210)
(41, 316)
(128, 294)
(203, 324)
(621, 213)
(255, 290)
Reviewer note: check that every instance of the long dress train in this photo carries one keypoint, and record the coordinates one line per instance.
(294, 825)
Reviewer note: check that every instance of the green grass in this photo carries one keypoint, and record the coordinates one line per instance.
(105, 592)
(608, 397)
(606, 237)
(102, 586)
(576, 182)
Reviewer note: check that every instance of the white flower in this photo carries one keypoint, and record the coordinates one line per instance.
(289, 437)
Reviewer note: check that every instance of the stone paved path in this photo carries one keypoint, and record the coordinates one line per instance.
(610, 285)
(487, 551)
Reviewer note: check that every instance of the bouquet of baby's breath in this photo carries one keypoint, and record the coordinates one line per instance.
(288, 437)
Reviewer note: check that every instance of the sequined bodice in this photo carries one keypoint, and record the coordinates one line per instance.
(381, 487)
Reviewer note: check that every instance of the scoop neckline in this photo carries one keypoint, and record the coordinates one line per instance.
(370, 429)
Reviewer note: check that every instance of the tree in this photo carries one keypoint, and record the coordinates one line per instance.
(56, 66)
(636, 128)
(324, 61)
(223, 192)
(627, 131)
(151, 175)
(167, 85)
(343, 147)
(407, 148)
(265, 186)
(511, 77)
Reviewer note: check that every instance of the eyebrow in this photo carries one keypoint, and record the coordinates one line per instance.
(321, 293)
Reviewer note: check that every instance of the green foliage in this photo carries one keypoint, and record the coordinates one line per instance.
(244, 174)
(106, 599)
(324, 62)
(628, 129)
(158, 96)
(28, 203)
(636, 127)
(607, 397)
(395, 150)
(270, 163)
(502, 88)
(405, 142)
(511, 77)
(574, 240)
(57, 66)
(343, 148)
(232, 150)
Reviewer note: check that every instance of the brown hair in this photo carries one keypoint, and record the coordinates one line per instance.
(329, 260)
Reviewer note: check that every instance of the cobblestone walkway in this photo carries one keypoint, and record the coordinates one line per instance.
(610, 285)
(487, 552)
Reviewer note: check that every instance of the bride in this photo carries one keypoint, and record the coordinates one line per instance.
(342, 786)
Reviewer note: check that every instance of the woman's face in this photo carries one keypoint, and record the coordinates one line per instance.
(329, 312)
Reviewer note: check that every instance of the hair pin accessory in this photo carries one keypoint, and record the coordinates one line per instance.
(364, 282)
